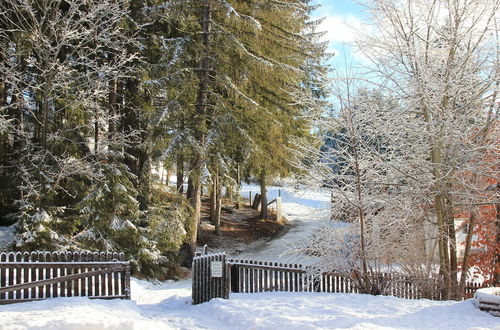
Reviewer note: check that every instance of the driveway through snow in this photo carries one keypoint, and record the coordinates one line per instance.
(304, 211)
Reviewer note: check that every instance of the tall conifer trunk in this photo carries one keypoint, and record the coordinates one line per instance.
(180, 174)
(201, 113)
(263, 195)
(113, 106)
(213, 198)
(218, 204)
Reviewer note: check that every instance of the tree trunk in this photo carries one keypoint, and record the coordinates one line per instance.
(238, 185)
(201, 111)
(96, 132)
(453, 249)
(444, 260)
(190, 188)
(130, 123)
(218, 204)
(169, 174)
(468, 241)
(180, 173)
(263, 195)
(229, 192)
(194, 188)
(113, 108)
(496, 259)
(213, 197)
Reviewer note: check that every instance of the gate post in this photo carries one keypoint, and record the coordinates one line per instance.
(235, 275)
(210, 277)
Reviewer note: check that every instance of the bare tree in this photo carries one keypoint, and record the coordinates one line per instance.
(439, 62)
(440, 57)
(363, 164)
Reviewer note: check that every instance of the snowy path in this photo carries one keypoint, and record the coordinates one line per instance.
(304, 210)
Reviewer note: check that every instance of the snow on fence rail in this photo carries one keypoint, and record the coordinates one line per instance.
(252, 276)
(32, 276)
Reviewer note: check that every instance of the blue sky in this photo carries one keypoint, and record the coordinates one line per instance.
(340, 18)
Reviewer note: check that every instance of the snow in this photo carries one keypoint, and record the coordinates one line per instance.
(168, 306)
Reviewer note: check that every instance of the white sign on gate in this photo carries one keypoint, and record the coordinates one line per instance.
(216, 268)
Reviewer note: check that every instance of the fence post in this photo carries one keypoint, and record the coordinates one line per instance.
(279, 214)
(127, 282)
(210, 282)
(250, 197)
(235, 275)
(227, 282)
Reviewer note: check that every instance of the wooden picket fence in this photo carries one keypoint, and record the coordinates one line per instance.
(251, 276)
(32, 276)
(472, 287)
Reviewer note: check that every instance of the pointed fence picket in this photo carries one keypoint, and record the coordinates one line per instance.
(41, 275)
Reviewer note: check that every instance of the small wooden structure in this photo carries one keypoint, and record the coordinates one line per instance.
(32, 276)
(488, 300)
(256, 202)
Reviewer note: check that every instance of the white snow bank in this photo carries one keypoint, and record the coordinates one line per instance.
(75, 313)
(167, 306)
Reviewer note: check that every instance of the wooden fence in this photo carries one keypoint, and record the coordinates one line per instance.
(41, 275)
(251, 276)
(210, 277)
(471, 288)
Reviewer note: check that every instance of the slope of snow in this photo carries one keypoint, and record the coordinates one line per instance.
(167, 306)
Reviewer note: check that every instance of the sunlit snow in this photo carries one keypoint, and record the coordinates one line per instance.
(168, 305)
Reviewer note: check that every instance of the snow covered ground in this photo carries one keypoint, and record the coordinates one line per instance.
(168, 305)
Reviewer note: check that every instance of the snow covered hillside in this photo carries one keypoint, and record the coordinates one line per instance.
(167, 306)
